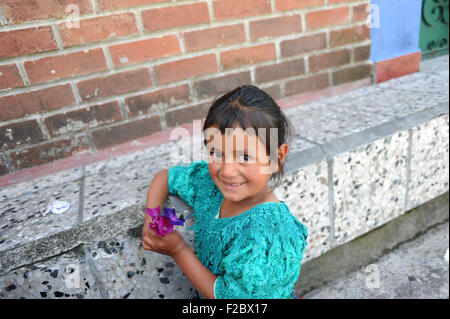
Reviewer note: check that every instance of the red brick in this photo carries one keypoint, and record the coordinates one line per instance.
(211, 38)
(90, 117)
(117, 4)
(221, 85)
(53, 98)
(349, 35)
(398, 66)
(284, 5)
(229, 9)
(340, 1)
(97, 29)
(362, 53)
(165, 98)
(186, 115)
(329, 60)
(114, 84)
(171, 17)
(304, 44)
(280, 70)
(237, 58)
(66, 65)
(28, 10)
(312, 83)
(275, 27)
(26, 41)
(49, 152)
(361, 12)
(184, 69)
(352, 74)
(126, 132)
(326, 18)
(9, 77)
(274, 91)
(144, 50)
(17, 134)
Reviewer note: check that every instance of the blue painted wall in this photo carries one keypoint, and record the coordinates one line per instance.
(398, 32)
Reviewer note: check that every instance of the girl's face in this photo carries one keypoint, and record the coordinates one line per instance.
(240, 158)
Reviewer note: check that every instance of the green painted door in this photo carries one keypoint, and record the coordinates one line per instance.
(434, 28)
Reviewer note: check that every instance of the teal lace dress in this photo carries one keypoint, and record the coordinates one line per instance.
(256, 254)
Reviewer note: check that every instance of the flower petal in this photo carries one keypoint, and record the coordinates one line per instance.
(164, 226)
(154, 213)
(154, 226)
(171, 215)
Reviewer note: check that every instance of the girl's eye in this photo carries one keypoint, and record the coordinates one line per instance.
(247, 158)
(212, 152)
(244, 158)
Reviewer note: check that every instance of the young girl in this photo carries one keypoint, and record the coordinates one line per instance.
(248, 243)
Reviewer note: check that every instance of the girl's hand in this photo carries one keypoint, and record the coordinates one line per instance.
(171, 245)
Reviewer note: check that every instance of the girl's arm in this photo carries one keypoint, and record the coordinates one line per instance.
(200, 277)
(156, 194)
(173, 244)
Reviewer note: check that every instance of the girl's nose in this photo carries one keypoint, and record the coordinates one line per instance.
(228, 170)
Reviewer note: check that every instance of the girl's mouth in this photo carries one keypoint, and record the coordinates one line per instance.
(232, 186)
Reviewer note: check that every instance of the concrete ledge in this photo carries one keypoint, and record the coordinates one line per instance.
(367, 248)
(85, 233)
(372, 134)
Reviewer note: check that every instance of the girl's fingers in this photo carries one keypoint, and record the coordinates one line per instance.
(150, 240)
(147, 241)
(154, 236)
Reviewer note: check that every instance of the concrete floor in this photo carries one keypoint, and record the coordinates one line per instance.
(414, 270)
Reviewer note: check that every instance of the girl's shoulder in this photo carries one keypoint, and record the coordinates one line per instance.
(276, 218)
(190, 171)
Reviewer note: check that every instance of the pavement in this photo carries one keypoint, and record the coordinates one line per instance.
(414, 270)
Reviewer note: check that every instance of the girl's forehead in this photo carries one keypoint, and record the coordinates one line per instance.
(236, 138)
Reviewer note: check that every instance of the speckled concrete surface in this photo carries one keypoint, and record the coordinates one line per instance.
(434, 65)
(129, 271)
(429, 161)
(52, 279)
(306, 194)
(414, 270)
(22, 220)
(369, 186)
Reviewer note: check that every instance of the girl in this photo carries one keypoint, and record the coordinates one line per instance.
(248, 243)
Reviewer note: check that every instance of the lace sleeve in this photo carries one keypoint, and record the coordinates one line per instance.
(264, 262)
(184, 180)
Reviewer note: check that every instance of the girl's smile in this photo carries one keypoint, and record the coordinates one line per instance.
(232, 186)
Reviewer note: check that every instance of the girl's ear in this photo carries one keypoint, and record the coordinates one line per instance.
(282, 153)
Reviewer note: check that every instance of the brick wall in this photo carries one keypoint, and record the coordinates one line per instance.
(136, 67)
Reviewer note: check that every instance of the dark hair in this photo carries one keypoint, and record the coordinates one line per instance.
(250, 107)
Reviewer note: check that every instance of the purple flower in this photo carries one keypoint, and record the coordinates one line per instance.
(164, 227)
(154, 213)
(170, 214)
(163, 224)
